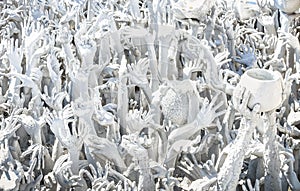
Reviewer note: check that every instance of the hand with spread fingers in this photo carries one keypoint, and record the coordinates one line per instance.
(240, 100)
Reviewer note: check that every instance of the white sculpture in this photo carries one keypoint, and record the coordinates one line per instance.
(265, 87)
(149, 95)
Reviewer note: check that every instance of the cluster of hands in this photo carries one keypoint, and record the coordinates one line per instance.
(132, 95)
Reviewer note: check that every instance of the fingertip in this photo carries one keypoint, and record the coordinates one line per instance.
(256, 107)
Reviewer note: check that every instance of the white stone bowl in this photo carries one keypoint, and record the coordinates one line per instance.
(287, 6)
(265, 86)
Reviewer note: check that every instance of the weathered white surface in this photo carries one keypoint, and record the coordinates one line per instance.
(149, 95)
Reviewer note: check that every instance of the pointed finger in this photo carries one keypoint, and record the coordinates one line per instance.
(220, 113)
(245, 100)
(218, 106)
(213, 101)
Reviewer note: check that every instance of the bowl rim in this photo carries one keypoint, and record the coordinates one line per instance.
(275, 77)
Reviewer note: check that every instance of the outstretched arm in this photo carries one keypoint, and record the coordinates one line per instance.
(204, 118)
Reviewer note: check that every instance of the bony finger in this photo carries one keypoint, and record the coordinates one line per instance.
(205, 104)
(249, 183)
(11, 45)
(245, 100)
(235, 101)
(236, 91)
(213, 101)
(256, 108)
(242, 92)
(284, 43)
(188, 161)
(213, 159)
(218, 105)
(16, 43)
(288, 73)
(220, 113)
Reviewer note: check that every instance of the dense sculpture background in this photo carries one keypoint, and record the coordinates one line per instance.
(149, 95)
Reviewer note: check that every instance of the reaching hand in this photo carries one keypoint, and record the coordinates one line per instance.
(209, 112)
(15, 55)
(289, 39)
(192, 66)
(37, 152)
(64, 175)
(87, 48)
(137, 120)
(32, 32)
(287, 83)
(240, 101)
(246, 56)
(103, 149)
(58, 122)
(137, 33)
(9, 126)
(55, 100)
(138, 72)
(222, 58)
(196, 170)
